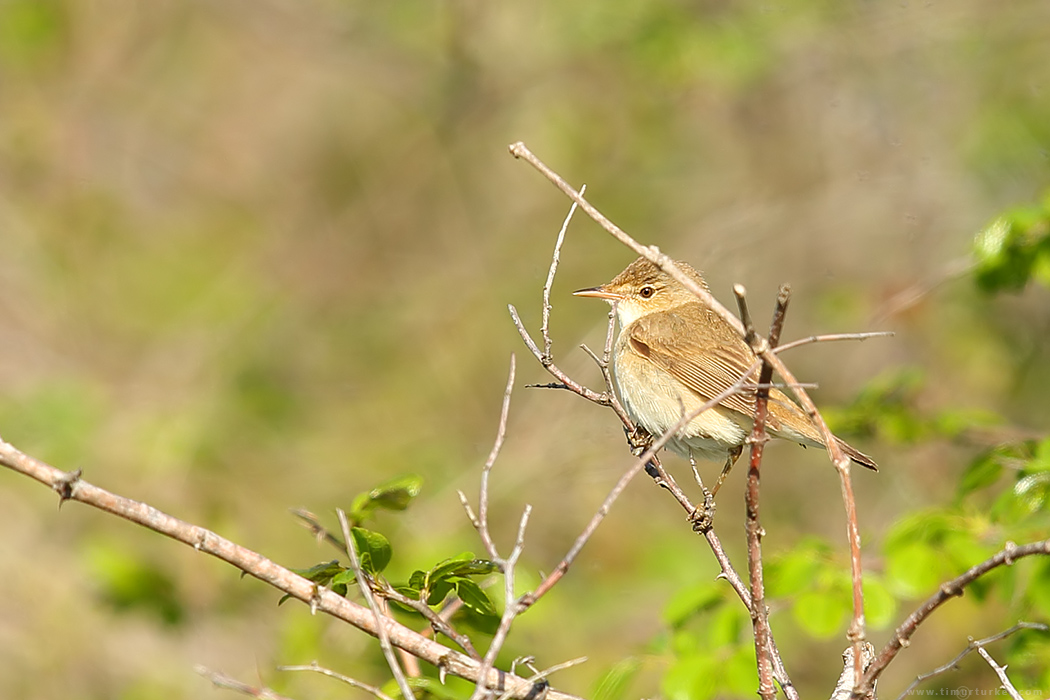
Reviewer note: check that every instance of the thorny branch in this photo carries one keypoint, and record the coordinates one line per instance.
(70, 486)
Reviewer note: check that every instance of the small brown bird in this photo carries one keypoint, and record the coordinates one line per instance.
(674, 353)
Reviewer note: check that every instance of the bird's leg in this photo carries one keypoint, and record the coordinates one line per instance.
(639, 440)
(731, 458)
(702, 516)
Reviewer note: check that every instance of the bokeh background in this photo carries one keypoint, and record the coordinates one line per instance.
(258, 255)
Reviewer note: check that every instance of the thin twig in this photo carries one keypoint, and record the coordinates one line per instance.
(510, 607)
(901, 636)
(381, 619)
(542, 676)
(606, 399)
(954, 663)
(353, 682)
(1001, 672)
(437, 622)
(753, 527)
(481, 522)
(827, 337)
(313, 523)
(546, 316)
(221, 680)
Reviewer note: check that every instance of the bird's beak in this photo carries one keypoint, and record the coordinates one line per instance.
(598, 293)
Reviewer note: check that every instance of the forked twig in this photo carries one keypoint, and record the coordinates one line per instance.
(972, 646)
(221, 680)
(1001, 672)
(353, 682)
(545, 323)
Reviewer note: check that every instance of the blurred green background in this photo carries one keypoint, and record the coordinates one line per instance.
(257, 255)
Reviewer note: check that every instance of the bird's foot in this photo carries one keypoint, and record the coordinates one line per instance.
(703, 516)
(639, 440)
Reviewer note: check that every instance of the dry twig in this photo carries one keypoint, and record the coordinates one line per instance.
(972, 646)
(353, 682)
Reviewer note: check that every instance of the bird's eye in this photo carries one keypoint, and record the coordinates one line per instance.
(646, 292)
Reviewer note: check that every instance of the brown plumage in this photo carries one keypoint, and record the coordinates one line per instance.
(675, 352)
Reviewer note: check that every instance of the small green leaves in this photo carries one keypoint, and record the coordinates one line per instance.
(1013, 249)
(394, 495)
(373, 550)
(450, 576)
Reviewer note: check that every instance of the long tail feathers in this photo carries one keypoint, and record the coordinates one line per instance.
(858, 456)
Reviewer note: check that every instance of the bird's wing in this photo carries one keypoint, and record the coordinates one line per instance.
(699, 349)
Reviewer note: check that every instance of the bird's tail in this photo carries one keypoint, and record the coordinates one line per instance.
(857, 456)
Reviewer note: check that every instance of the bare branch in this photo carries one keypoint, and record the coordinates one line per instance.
(482, 520)
(827, 337)
(545, 324)
(511, 609)
(353, 682)
(947, 591)
(221, 680)
(753, 527)
(954, 663)
(1001, 672)
(572, 385)
(70, 486)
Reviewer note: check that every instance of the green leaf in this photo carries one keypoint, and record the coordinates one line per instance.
(344, 578)
(880, 607)
(692, 678)
(1033, 491)
(452, 566)
(913, 569)
(613, 684)
(398, 493)
(796, 570)
(474, 598)
(373, 549)
(692, 600)
(725, 627)
(321, 573)
(820, 614)
(1011, 248)
(982, 472)
(395, 494)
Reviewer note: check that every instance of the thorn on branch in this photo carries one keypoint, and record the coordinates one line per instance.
(66, 486)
